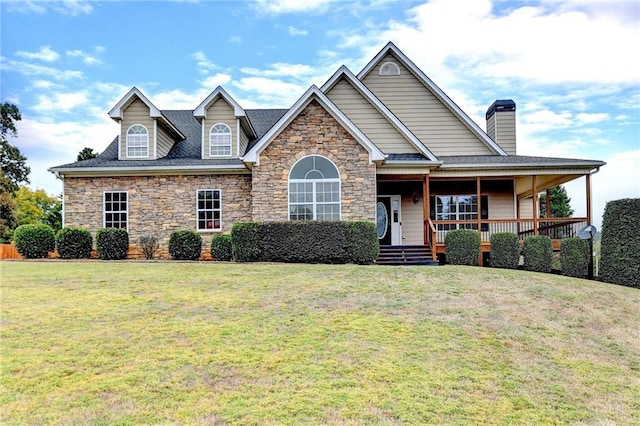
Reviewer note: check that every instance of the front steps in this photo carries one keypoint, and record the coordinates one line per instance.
(405, 255)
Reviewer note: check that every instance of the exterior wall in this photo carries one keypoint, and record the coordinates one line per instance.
(165, 142)
(412, 221)
(314, 131)
(158, 205)
(244, 141)
(136, 113)
(368, 119)
(501, 127)
(220, 112)
(501, 206)
(432, 122)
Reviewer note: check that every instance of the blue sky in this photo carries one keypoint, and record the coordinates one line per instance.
(570, 65)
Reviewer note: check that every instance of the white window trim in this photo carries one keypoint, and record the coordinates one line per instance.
(230, 141)
(198, 211)
(314, 182)
(127, 142)
(104, 208)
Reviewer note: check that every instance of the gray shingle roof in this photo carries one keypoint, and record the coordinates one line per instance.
(513, 161)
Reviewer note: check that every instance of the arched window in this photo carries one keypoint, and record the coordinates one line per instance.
(389, 68)
(220, 140)
(137, 141)
(314, 189)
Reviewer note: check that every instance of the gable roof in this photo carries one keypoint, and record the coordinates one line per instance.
(344, 72)
(117, 111)
(437, 92)
(219, 92)
(313, 93)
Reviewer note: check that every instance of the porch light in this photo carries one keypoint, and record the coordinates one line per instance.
(416, 198)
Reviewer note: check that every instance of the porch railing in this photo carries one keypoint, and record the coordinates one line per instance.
(555, 228)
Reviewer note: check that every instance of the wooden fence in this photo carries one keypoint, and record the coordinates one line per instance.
(8, 251)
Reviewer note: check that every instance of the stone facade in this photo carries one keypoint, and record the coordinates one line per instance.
(313, 131)
(158, 205)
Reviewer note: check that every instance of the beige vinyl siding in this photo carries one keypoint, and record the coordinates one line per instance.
(368, 119)
(428, 118)
(244, 141)
(526, 208)
(165, 142)
(136, 113)
(504, 128)
(220, 112)
(501, 206)
(412, 221)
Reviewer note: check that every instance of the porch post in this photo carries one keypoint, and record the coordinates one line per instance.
(426, 208)
(479, 217)
(588, 189)
(534, 193)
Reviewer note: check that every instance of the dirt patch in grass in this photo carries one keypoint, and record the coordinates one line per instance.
(207, 343)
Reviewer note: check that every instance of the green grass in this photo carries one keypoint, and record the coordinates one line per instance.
(205, 343)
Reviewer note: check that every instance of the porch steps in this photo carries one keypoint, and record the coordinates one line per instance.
(405, 255)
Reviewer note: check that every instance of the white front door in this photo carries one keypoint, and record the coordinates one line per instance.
(389, 220)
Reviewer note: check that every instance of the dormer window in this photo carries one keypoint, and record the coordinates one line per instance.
(389, 68)
(137, 142)
(220, 140)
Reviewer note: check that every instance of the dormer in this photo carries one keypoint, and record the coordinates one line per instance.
(145, 133)
(226, 131)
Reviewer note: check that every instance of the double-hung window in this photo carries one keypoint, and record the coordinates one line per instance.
(458, 208)
(314, 189)
(137, 141)
(209, 210)
(116, 209)
(220, 140)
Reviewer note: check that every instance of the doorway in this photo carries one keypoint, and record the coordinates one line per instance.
(388, 220)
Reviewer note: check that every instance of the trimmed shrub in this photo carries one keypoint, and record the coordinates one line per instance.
(505, 250)
(34, 241)
(246, 241)
(363, 246)
(185, 245)
(221, 248)
(538, 253)
(74, 243)
(304, 242)
(574, 257)
(620, 245)
(112, 243)
(462, 247)
(149, 245)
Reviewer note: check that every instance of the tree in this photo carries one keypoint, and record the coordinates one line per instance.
(33, 207)
(7, 218)
(86, 154)
(559, 203)
(13, 163)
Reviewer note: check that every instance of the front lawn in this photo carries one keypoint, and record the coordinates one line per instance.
(212, 343)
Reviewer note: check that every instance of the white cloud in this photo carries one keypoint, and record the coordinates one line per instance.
(64, 7)
(28, 69)
(292, 6)
(45, 54)
(87, 58)
(281, 69)
(57, 102)
(592, 118)
(293, 31)
(235, 39)
(72, 7)
(216, 80)
(204, 63)
(268, 93)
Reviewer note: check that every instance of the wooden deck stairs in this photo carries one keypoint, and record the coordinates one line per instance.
(405, 256)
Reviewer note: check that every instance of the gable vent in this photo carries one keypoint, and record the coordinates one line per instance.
(389, 68)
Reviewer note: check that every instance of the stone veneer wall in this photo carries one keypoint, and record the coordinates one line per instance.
(158, 205)
(314, 131)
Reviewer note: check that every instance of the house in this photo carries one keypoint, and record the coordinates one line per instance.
(385, 145)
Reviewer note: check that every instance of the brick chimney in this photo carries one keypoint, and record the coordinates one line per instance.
(501, 124)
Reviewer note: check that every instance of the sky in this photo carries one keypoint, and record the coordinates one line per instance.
(571, 66)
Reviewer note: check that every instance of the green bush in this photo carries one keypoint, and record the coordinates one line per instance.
(246, 241)
(574, 257)
(112, 243)
(304, 242)
(462, 247)
(538, 253)
(221, 248)
(505, 250)
(363, 246)
(74, 243)
(620, 244)
(185, 245)
(34, 241)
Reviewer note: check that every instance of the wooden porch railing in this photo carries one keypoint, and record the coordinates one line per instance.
(555, 228)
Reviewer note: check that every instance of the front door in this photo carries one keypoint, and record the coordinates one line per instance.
(388, 220)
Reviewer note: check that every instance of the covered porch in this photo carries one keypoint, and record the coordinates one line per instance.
(421, 208)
